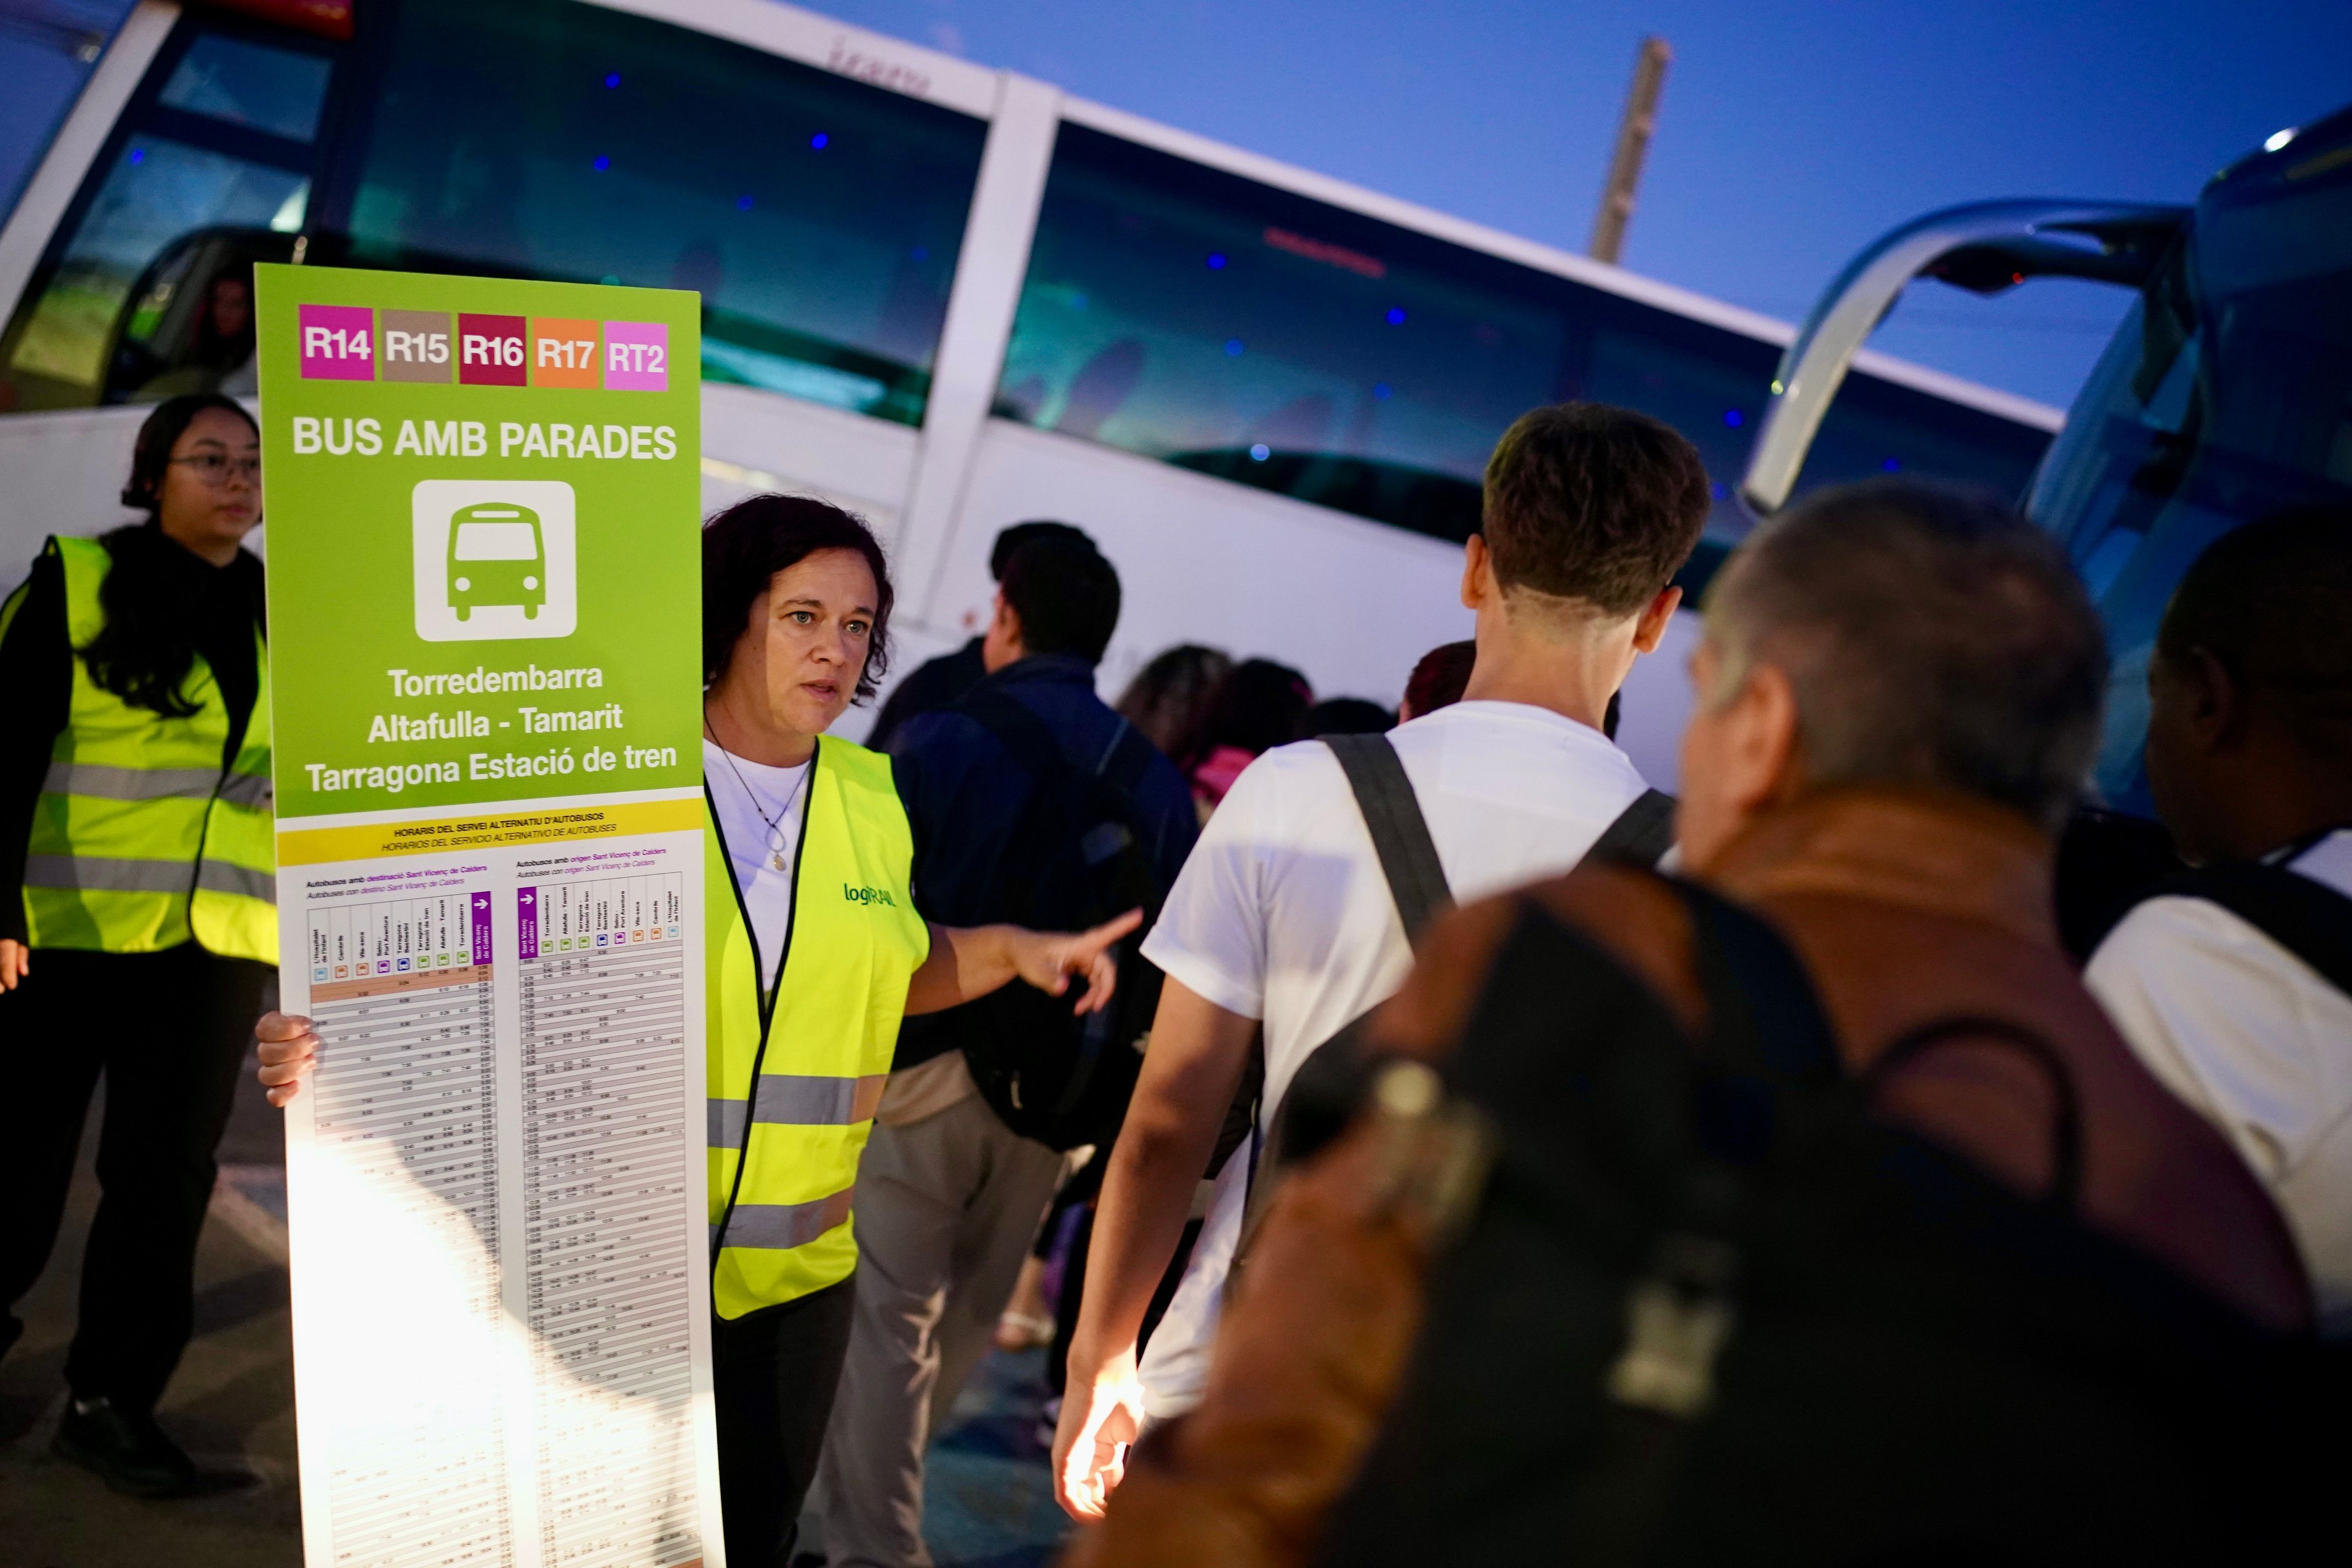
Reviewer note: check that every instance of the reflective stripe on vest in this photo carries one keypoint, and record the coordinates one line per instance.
(795, 1074)
(140, 840)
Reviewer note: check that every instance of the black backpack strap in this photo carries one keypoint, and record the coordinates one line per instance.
(2066, 1127)
(1642, 834)
(1024, 736)
(1124, 760)
(1761, 1008)
(2303, 915)
(1399, 833)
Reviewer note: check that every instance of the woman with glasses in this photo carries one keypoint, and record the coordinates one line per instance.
(137, 913)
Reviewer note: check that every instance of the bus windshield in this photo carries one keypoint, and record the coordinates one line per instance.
(2227, 394)
(496, 541)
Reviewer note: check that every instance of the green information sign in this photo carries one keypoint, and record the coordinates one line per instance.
(483, 500)
(485, 661)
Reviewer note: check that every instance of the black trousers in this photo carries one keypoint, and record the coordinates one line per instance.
(169, 1030)
(773, 1373)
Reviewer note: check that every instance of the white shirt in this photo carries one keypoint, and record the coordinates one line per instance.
(747, 796)
(1282, 914)
(2249, 1035)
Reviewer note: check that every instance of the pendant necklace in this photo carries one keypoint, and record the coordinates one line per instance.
(776, 845)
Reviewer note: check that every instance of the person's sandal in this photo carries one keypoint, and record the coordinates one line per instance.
(1022, 1330)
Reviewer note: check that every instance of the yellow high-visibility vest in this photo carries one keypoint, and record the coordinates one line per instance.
(142, 839)
(795, 1072)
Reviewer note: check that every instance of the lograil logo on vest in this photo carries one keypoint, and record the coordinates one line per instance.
(868, 896)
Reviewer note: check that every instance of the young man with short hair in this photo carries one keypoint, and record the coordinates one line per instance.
(949, 1196)
(1283, 922)
(2250, 758)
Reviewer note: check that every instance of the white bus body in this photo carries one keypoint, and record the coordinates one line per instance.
(1286, 511)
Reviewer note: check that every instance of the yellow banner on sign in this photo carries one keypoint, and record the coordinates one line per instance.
(321, 846)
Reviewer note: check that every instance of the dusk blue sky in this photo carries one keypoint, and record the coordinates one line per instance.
(1790, 135)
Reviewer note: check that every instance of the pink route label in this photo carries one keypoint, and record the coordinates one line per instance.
(338, 343)
(636, 356)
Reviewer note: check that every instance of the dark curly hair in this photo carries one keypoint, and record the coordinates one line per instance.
(143, 652)
(746, 545)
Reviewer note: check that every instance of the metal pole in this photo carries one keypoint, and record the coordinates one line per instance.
(1633, 146)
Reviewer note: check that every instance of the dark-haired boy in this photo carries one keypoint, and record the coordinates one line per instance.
(940, 682)
(1282, 919)
(2250, 757)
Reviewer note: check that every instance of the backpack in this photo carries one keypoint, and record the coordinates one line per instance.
(1322, 1093)
(1075, 857)
(1709, 1309)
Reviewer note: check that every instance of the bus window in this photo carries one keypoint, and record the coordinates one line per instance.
(149, 291)
(1207, 321)
(818, 216)
(271, 89)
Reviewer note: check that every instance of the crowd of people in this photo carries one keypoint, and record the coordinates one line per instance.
(1417, 1139)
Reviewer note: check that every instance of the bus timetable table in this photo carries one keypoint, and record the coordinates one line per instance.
(602, 998)
(401, 995)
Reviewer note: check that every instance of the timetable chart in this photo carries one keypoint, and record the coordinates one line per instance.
(608, 1117)
(401, 992)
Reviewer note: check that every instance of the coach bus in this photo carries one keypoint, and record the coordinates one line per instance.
(2226, 393)
(947, 297)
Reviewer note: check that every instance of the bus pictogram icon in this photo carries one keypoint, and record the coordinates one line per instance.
(494, 559)
(497, 556)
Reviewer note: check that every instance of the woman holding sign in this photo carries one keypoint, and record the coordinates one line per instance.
(137, 908)
(815, 950)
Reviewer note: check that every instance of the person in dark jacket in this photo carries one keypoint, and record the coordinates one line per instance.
(941, 682)
(137, 912)
(949, 1196)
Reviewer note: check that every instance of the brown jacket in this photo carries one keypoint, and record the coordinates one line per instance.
(1906, 908)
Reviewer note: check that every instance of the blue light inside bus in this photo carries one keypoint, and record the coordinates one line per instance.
(603, 163)
(819, 139)
(1890, 465)
(613, 80)
(742, 203)
(1396, 315)
(1216, 261)
(1261, 452)
(1234, 347)
(1383, 391)
(1733, 420)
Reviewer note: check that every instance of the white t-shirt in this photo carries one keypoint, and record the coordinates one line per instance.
(747, 796)
(2249, 1035)
(1282, 914)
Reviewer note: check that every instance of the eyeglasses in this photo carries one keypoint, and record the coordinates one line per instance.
(215, 468)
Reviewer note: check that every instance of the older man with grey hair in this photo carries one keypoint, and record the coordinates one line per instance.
(1898, 696)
